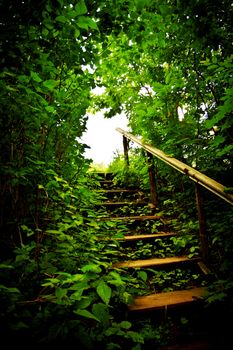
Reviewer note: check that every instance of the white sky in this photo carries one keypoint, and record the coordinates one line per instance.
(102, 137)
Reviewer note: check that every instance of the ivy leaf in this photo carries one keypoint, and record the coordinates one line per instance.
(87, 314)
(104, 291)
(80, 8)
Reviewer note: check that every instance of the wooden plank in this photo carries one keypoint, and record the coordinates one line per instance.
(153, 184)
(195, 175)
(126, 150)
(128, 218)
(139, 236)
(119, 204)
(167, 299)
(204, 268)
(202, 223)
(147, 236)
(106, 182)
(197, 344)
(154, 262)
(119, 190)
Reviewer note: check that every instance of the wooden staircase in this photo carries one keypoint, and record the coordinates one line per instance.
(117, 203)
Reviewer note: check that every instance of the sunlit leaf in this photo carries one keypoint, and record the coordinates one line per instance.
(104, 291)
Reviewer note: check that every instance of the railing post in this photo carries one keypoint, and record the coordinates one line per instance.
(126, 148)
(202, 223)
(153, 187)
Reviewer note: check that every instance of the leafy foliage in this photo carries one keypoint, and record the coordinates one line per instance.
(168, 66)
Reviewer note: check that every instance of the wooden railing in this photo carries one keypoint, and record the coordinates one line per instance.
(197, 177)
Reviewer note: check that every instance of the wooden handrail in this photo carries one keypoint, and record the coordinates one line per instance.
(193, 174)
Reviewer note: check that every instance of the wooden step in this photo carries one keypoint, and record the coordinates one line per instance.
(154, 262)
(105, 176)
(106, 182)
(120, 191)
(147, 236)
(130, 218)
(121, 204)
(139, 237)
(197, 344)
(167, 299)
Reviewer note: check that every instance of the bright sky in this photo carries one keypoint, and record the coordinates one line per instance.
(102, 137)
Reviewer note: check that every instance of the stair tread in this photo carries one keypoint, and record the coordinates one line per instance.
(147, 236)
(123, 203)
(137, 217)
(167, 299)
(106, 182)
(154, 261)
(119, 190)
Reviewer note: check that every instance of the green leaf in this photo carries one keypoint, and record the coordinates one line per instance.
(77, 33)
(92, 24)
(61, 19)
(125, 324)
(84, 302)
(60, 293)
(50, 109)
(127, 298)
(117, 281)
(142, 275)
(78, 294)
(101, 312)
(50, 84)
(5, 266)
(225, 150)
(10, 290)
(140, 4)
(137, 347)
(164, 9)
(35, 77)
(104, 291)
(80, 8)
(53, 231)
(91, 268)
(228, 190)
(87, 314)
(83, 22)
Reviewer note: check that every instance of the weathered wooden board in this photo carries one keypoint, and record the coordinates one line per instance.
(121, 204)
(167, 299)
(128, 218)
(147, 236)
(113, 191)
(154, 262)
